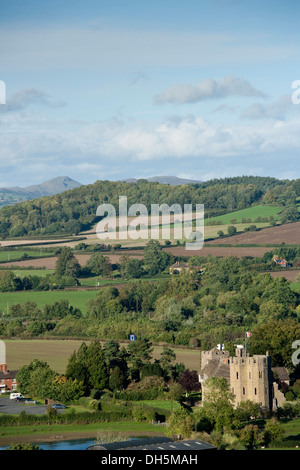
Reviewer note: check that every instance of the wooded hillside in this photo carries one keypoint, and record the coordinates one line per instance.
(75, 210)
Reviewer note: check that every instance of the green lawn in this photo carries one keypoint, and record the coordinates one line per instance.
(163, 405)
(77, 299)
(291, 427)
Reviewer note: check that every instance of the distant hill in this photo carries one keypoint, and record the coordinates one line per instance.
(75, 211)
(172, 180)
(50, 187)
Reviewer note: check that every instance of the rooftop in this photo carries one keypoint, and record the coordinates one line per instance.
(156, 443)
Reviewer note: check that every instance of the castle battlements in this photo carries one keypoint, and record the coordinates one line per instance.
(249, 377)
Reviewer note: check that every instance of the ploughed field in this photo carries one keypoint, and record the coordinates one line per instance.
(288, 233)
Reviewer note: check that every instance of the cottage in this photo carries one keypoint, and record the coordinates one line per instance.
(281, 262)
(8, 379)
(178, 268)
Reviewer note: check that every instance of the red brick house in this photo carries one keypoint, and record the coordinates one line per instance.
(8, 379)
(281, 262)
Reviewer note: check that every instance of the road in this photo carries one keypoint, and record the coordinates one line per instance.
(9, 406)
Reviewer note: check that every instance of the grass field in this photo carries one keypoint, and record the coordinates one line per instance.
(11, 255)
(296, 286)
(77, 299)
(44, 433)
(57, 353)
(251, 212)
(32, 272)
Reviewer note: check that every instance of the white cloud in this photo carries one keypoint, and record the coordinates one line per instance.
(28, 97)
(117, 142)
(278, 110)
(208, 89)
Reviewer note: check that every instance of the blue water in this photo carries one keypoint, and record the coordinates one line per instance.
(74, 444)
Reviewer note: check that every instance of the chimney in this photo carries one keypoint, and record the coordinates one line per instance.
(2, 352)
(3, 368)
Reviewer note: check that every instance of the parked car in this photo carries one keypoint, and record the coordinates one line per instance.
(58, 406)
(30, 401)
(13, 396)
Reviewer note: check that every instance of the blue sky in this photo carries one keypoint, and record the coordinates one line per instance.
(117, 89)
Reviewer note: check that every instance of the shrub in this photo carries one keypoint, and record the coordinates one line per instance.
(95, 405)
(143, 413)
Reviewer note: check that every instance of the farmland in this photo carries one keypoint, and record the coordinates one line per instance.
(57, 353)
(288, 234)
(77, 298)
(11, 255)
(250, 213)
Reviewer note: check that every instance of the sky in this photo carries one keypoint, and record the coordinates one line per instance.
(116, 89)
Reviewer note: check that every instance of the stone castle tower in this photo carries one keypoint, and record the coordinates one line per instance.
(249, 378)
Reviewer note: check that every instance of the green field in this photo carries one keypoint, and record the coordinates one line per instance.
(77, 298)
(72, 431)
(295, 286)
(251, 212)
(13, 255)
(32, 272)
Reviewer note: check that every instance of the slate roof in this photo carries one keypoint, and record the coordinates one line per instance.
(216, 368)
(156, 443)
(10, 374)
(282, 373)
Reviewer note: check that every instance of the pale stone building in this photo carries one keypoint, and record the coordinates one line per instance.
(249, 378)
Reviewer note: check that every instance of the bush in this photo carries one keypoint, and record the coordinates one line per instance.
(231, 230)
(95, 405)
(23, 447)
(143, 413)
(64, 418)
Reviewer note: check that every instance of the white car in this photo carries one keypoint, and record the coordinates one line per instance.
(14, 396)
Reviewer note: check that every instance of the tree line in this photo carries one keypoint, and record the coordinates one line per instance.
(94, 368)
(192, 309)
(74, 211)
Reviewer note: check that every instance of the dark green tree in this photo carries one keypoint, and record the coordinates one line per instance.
(231, 230)
(96, 366)
(139, 352)
(98, 264)
(133, 268)
(66, 264)
(155, 259)
(117, 379)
